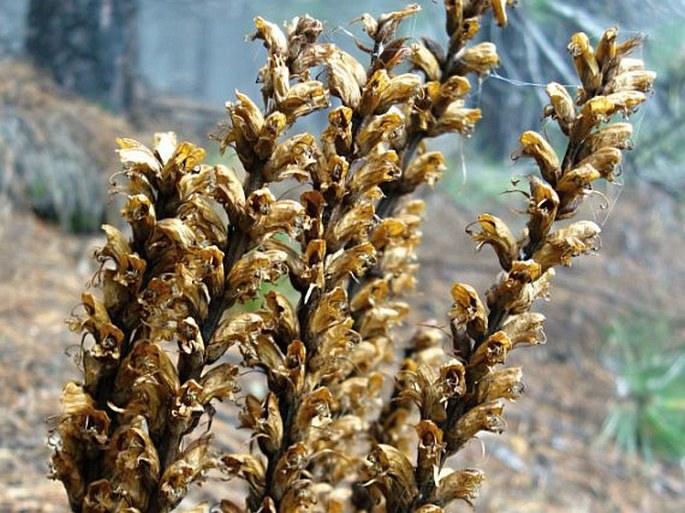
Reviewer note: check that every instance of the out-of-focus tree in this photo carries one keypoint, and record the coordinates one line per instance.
(88, 46)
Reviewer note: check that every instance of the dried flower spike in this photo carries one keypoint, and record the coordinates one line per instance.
(170, 334)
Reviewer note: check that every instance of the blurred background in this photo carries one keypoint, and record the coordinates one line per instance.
(602, 425)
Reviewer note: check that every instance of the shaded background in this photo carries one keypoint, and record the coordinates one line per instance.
(602, 425)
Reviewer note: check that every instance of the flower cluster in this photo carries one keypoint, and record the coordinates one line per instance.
(203, 242)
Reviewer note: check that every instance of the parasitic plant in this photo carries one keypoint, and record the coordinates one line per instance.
(332, 431)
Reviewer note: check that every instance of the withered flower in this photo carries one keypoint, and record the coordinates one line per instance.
(217, 276)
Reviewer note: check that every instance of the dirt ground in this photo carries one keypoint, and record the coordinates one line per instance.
(548, 460)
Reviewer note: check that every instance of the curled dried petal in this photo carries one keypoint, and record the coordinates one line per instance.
(542, 209)
(400, 89)
(246, 467)
(424, 59)
(132, 463)
(293, 158)
(129, 266)
(468, 310)
(237, 328)
(219, 382)
(427, 168)
(314, 412)
(461, 484)
(501, 384)
(606, 48)
(581, 237)
(304, 98)
(585, 63)
(456, 118)
(373, 90)
(604, 161)
(376, 169)
(454, 88)
(139, 212)
(535, 146)
(616, 135)
(353, 225)
(389, 469)
(354, 261)
(453, 378)
(138, 156)
(383, 128)
(496, 233)
(479, 59)
(337, 137)
(562, 107)
(525, 328)
(246, 276)
(430, 450)
(516, 289)
(491, 352)
(191, 466)
(273, 37)
(485, 417)
(269, 425)
(384, 28)
(639, 80)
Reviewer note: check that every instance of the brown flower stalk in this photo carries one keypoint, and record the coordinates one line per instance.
(202, 243)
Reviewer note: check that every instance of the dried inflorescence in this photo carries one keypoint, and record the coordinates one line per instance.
(204, 242)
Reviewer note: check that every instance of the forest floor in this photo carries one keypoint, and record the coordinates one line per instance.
(549, 459)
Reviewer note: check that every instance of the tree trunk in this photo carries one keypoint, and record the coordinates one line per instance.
(89, 47)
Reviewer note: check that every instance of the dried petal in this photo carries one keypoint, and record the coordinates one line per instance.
(191, 466)
(246, 467)
(485, 417)
(582, 237)
(585, 63)
(456, 118)
(535, 146)
(491, 352)
(350, 262)
(237, 328)
(430, 450)
(501, 384)
(220, 382)
(542, 209)
(479, 59)
(304, 98)
(273, 37)
(426, 168)
(389, 469)
(525, 328)
(468, 311)
(245, 278)
(562, 107)
(132, 463)
(293, 158)
(400, 89)
(383, 128)
(499, 11)
(461, 484)
(424, 59)
(496, 233)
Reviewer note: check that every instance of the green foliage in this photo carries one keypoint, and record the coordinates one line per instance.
(647, 358)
